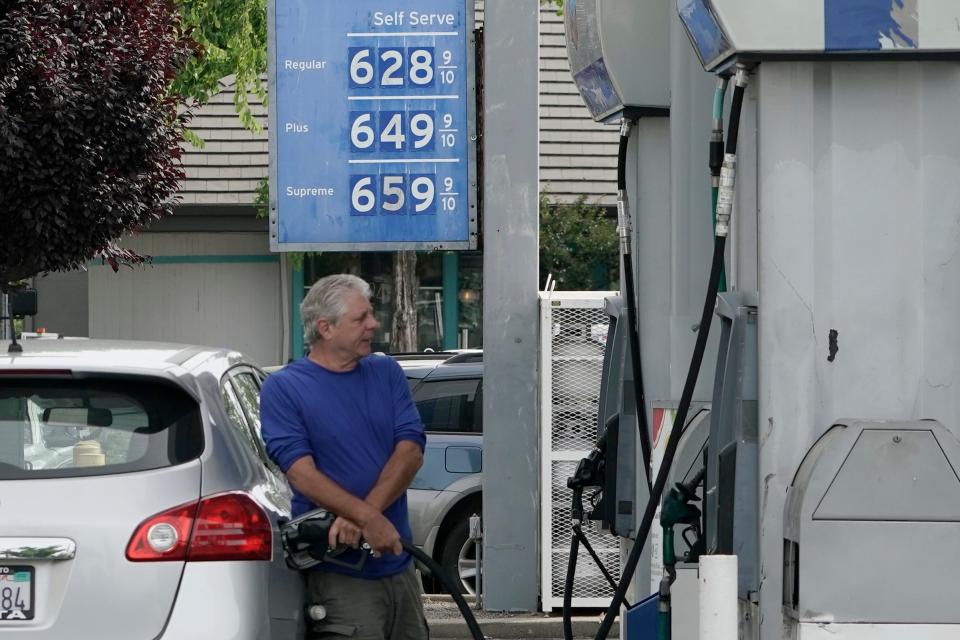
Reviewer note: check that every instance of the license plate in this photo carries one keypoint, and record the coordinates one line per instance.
(16, 592)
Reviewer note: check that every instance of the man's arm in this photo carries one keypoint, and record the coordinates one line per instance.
(324, 492)
(397, 474)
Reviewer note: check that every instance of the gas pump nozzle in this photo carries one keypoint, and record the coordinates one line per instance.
(678, 509)
(591, 472)
(306, 542)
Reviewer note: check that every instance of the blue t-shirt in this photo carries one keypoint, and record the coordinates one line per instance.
(349, 422)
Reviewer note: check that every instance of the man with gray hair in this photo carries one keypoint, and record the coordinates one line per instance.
(341, 423)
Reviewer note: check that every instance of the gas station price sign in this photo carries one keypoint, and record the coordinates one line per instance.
(372, 125)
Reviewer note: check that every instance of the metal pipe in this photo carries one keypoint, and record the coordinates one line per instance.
(719, 616)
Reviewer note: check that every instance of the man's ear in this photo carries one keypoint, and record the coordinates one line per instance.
(324, 328)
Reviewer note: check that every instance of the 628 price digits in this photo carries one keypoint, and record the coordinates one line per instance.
(388, 67)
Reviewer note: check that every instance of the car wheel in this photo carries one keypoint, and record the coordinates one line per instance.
(459, 557)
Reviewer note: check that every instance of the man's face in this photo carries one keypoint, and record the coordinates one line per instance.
(353, 334)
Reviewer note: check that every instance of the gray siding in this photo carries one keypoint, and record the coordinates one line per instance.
(233, 160)
(577, 156)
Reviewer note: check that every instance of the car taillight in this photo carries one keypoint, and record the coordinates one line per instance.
(228, 526)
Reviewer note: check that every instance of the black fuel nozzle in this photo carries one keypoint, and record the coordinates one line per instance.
(590, 472)
(678, 509)
(688, 489)
(306, 542)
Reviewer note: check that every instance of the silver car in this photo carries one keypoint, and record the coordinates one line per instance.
(447, 491)
(136, 500)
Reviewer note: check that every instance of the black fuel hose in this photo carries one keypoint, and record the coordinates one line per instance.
(630, 296)
(437, 571)
(577, 531)
(580, 537)
(633, 332)
(568, 587)
(693, 373)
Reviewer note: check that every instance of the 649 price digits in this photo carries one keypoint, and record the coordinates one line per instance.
(394, 131)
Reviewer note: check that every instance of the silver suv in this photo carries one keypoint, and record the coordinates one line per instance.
(448, 391)
(136, 500)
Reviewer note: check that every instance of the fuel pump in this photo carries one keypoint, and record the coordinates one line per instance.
(598, 33)
(837, 303)
(616, 89)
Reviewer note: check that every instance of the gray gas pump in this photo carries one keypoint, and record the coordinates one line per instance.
(731, 525)
(842, 270)
(840, 225)
(870, 531)
(623, 495)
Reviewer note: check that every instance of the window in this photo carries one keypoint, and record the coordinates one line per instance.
(87, 427)
(238, 419)
(248, 392)
(450, 405)
(246, 395)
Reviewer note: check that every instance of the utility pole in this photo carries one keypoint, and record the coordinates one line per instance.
(510, 308)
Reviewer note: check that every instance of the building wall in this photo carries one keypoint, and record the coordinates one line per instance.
(215, 289)
(62, 302)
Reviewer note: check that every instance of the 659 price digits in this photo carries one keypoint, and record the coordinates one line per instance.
(392, 194)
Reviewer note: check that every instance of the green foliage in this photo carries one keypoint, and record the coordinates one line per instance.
(89, 126)
(556, 3)
(261, 202)
(578, 245)
(232, 35)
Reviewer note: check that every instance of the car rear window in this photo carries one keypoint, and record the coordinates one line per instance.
(88, 427)
(450, 406)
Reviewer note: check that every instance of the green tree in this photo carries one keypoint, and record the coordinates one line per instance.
(578, 245)
(232, 38)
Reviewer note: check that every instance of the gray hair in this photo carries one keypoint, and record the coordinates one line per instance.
(325, 300)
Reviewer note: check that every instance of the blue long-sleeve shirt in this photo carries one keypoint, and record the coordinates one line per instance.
(349, 423)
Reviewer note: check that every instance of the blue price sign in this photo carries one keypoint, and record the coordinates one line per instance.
(372, 125)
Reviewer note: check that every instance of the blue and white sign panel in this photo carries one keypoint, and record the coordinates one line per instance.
(372, 125)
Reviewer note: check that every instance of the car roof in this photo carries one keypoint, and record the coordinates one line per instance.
(114, 355)
(436, 364)
(466, 363)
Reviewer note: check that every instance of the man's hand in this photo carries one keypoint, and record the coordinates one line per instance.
(381, 535)
(346, 532)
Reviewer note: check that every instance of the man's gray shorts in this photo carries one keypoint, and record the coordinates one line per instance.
(383, 609)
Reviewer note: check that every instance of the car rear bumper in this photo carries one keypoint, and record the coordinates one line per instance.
(227, 601)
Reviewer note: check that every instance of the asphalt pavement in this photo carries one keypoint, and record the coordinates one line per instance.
(447, 624)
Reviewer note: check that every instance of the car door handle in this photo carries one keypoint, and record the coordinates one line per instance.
(37, 549)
